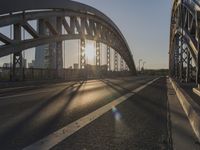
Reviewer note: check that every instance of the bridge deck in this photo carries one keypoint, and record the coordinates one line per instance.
(140, 122)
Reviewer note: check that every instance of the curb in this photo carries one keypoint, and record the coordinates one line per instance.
(196, 91)
(191, 109)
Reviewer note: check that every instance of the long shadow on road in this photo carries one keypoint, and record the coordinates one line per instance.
(16, 132)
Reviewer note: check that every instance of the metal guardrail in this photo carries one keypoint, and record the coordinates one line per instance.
(30, 74)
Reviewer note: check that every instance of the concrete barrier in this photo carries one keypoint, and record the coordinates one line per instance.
(191, 109)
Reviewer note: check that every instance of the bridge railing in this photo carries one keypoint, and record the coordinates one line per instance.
(32, 74)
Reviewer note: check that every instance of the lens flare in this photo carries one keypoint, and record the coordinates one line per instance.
(116, 113)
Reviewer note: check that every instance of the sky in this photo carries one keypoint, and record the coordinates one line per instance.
(145, 25)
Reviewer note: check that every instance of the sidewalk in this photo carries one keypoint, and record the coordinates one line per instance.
(183, 136)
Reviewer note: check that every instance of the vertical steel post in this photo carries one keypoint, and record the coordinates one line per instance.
(108, 58)
(59, 58)
(176, 58)
(181, 51)
(188, 75)
(59, 49)
(198, 69)
(17, 57)
(198, 48)
(115, 61)
(181, 43)
(82, 54)
(11, 35)
(98, 54)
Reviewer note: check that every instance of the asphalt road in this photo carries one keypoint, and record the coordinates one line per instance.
(29, 115)
(140, 123)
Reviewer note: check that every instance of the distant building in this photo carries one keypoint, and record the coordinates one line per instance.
(32, 64)
(45, 55)
(24, 63)
(39, 56)
(7, 65)
(76, 66)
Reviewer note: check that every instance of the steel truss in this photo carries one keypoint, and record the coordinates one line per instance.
(108, 59)
(76, 23)
(121, 64)
(82, 54)
(115, 61)
(184, 41)
(17, 57)
(98, 53)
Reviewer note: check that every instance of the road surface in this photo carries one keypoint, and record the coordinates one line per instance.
(86, 115)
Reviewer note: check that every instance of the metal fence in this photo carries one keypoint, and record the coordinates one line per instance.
(31, 74)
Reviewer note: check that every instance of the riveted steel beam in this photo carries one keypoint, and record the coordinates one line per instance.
(108, 58)
(17, 57)
(98, 53)
(82, 54)
(115, 61)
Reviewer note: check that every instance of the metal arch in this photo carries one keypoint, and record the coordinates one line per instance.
(184, 40)
(90, 19)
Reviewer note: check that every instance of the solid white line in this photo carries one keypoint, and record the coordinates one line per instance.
(61, 134)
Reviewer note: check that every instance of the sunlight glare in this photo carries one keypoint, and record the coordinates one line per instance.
(90, 51)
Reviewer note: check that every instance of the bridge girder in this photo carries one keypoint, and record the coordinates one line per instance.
(79, 22)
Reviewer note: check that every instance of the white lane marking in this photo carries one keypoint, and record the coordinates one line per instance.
(61, 134)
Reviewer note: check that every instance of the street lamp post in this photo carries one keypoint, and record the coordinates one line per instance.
(144, 64)
(139, 64)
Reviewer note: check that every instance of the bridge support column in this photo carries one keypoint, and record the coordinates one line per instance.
(176, 58)
(172, 60)
(108, 58)
(115, 61)
(198, 70)
(98, 54)
(181, 61)
(189, 67)
(17, 57)
(59, 47)
(82, 54)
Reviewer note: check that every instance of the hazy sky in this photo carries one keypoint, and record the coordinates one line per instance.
(145, 25)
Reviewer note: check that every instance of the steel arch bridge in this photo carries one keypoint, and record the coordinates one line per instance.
(64, 20)
(184, 54)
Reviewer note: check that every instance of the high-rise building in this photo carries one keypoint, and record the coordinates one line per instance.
(32, 64)
(45, 55)
(24, 62)
(75, 66)
(7, 65)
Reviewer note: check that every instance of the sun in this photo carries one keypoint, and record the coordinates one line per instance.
(89, 51)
